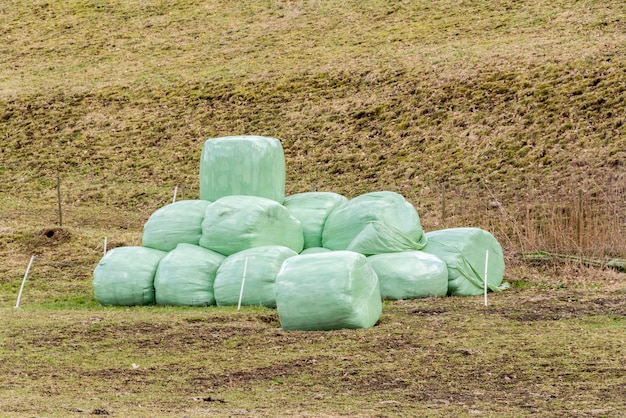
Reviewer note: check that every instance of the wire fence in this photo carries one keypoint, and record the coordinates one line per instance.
(573, 222)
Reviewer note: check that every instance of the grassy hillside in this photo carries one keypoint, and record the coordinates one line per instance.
(510, 102)
(507, 115)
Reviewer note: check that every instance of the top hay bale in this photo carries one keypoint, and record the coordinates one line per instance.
(242, 165)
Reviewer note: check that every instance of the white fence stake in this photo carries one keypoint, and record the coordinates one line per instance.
(19, 295)
(243, 280)
(175, 192)
(486, 267)
(105, 246)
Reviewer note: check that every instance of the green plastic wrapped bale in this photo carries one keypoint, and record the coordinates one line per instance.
(464, 251)
(259, 266)
(178, 222)
(327, 291)
(410, 275)
(125, 276)
(312, 209)
(185, 276)
(374, 223)
(236, 223)
(314, 250)
(242, 165)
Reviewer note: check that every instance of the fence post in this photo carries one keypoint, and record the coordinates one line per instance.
(579, 222)
(19, 295)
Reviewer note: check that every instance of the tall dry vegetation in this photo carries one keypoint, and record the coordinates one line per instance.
(515, 109)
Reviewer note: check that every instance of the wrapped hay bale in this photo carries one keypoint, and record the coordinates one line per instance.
(374, 223)
(236, 223)
(185, 276)
(260, 266)
(410, 275)
(312, 209)
(125, 276)
(327, 291)
(242, 165)
(178, 222)
(464, 252)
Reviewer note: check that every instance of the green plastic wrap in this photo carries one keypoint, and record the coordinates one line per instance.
(185, 276)
(236, 223)
(261, 265)
(327, 291)
(312, 209)
(125, 276)
(374, 223)
(242, 165)
(464, 251)
(314, 250)
(410, 275)
(178, 222)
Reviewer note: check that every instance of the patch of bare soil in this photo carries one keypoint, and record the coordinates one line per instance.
(48, 237)
(568, 306)
(283, 369)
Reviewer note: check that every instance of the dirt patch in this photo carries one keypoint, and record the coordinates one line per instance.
(270, 319)
(564, 307)
(36, 241)
(282, 370)
(427, 312)
(52, 236)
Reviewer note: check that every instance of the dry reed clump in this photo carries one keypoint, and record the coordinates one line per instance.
(580, 224)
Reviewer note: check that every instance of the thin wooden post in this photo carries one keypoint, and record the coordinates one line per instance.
(579, 222)
(175, 191)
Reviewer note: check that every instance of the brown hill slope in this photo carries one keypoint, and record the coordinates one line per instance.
(508, 116)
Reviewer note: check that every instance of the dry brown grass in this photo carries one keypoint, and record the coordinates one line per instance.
(517, 109)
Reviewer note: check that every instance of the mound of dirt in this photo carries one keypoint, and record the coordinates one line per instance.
(52, 236)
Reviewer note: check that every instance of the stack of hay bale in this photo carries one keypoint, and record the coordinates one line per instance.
(325, 262)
